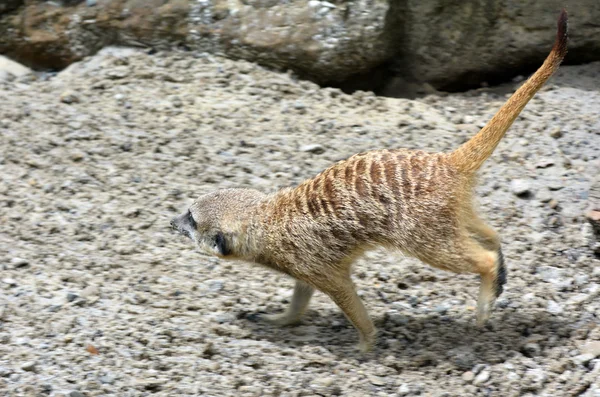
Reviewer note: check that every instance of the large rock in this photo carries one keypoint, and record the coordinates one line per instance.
(10, 69)
(364, 42)
(453, 44)
(320, 40)
(48, 35)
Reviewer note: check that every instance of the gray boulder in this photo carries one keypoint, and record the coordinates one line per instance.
(386, 46)
(452, 44)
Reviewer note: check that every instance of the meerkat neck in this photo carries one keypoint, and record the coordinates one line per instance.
(261, 221)
(249, 241)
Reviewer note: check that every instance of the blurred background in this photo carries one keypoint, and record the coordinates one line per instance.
(394, 48)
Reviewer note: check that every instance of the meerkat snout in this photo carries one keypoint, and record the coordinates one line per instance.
(184, 224)
(417, 202)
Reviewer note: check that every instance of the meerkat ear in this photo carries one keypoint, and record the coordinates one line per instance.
(222, 246)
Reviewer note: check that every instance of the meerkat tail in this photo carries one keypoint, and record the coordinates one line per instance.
(470, 156)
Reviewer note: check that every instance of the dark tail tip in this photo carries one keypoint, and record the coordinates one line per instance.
(562, 34)
(501, 274)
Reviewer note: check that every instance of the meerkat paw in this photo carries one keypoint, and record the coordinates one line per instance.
(365, 347)
(483, 313)
(281, 319)
(367, 343)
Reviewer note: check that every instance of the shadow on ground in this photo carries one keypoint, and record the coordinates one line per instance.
(423, 340)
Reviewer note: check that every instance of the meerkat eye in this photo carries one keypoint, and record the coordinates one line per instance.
(191, 220)
(221, 244)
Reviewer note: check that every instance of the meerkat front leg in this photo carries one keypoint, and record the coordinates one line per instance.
(302, 294)
(343, 293)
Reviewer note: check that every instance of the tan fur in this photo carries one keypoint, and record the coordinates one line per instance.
(417, 202)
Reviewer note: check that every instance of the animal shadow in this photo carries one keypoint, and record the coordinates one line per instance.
(422, 340)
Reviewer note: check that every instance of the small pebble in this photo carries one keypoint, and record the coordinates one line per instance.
(215, 285)
(107, 379)
(481, 378)
(89, 291)
(69, 97)
(534, 379)
(554, 308)
(545, 163)
(28, 366)
(324, 382)
(544, 196)
(396, 317)
(71, 296)
(550, 274)
(313, 148)
(556, 133)
(592, 348)
(299, 105)
(382, 276)
(531, 349)
(378, 380)
(19, 262)
(582, 359)
(520, 187)
(441, 309)
(404, 389)
(10, 281)
(555, 185)
(225, 318)
(468, 376)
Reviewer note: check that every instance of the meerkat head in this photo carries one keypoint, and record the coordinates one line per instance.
(217, 222)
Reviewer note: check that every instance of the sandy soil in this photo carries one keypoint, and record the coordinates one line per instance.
(99, 297)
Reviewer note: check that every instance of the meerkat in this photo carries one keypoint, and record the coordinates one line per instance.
(409, 200)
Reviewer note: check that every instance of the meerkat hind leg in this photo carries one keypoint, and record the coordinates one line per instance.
(483, 233)
(469, 254)
(300, 300)
(490, 265)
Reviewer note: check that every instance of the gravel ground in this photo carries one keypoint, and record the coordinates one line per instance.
(99, 297)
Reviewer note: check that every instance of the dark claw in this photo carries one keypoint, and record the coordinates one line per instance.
(255, 316)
